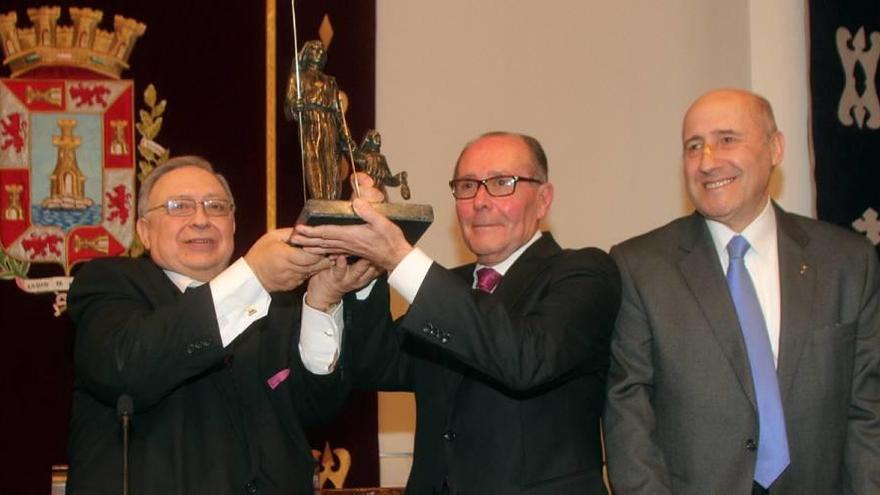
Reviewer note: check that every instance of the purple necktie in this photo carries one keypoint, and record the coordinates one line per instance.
(773, 455)
(487, 279)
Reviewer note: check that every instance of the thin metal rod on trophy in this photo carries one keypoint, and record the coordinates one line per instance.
(349, 145)
(302, 152)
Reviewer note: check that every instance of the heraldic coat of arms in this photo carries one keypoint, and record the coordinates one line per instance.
(67, 148)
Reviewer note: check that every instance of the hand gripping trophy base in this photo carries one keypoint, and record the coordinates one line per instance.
(412, 219)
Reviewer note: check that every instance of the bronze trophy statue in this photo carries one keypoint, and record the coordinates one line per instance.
(328, 151)
(314, 101)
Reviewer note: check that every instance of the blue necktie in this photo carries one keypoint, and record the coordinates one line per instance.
(772, 440)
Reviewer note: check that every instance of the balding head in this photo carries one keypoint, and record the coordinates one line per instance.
(757, 106)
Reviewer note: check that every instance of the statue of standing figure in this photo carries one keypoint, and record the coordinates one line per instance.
(372, 162)
(317, 105)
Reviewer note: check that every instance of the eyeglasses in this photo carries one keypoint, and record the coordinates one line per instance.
(498, 186)
(187, 207)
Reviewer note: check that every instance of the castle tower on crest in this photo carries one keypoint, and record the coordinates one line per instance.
(67, 182)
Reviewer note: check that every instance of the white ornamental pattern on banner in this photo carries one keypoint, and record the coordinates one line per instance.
(861, 109)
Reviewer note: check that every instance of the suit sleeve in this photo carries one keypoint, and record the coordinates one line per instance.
(635, 462)
(126, 344)
(315, 398)
(372, 348)
(559, 326)
(862, 449)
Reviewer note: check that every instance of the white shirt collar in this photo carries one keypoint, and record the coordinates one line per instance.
(182, 282)
(761, 234)
(510, 260)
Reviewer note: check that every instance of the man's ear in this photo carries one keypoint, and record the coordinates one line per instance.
(143, 231)
(777, 148)
(545, 199)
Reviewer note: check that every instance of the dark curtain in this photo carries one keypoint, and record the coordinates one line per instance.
(208, 60)
(845, 117)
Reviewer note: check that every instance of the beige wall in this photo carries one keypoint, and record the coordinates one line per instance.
(602, 84)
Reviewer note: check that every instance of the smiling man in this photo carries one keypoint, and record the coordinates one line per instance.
(746, 356)
(210, 354)
(506, 356)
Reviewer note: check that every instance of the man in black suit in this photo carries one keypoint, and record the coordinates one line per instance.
(744, 367)
(507, 357)
(220, 377)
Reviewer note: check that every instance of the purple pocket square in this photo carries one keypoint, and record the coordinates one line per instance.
(277, 378)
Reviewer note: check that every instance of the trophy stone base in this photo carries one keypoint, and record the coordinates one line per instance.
(412, 219)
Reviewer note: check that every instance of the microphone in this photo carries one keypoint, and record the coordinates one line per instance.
(125, 409)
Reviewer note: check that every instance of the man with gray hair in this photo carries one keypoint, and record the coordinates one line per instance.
(208, 354)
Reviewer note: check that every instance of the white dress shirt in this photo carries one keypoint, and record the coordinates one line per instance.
(240, 300)
(762, 262)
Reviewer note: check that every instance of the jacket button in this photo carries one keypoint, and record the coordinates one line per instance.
(449, 435)
(250, 487)
(751, 445)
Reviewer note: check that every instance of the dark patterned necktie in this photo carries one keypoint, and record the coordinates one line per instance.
(487, 279)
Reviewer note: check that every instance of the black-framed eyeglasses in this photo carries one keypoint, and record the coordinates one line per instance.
(183, 207)
(498, 186)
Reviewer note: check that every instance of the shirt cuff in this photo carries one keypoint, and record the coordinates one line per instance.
(239, 300)
(319, 338)
(409, 274)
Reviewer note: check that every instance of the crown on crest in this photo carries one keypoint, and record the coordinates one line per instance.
(83, 45)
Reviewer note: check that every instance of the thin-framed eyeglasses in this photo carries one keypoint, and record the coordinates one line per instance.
(497, 186)
(184, 207)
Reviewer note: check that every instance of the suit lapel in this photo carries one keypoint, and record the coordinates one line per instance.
(161, 289)
(466, 272)
(704, 276)
(519, 277)
(797, 281)
(455, 371)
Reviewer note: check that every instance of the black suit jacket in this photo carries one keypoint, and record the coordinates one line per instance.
(206, 419)
(509, 386)
(681, 415)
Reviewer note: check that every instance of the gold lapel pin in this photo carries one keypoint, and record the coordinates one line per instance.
(804, 268)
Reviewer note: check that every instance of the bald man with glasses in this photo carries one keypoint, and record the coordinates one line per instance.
(222, 364)
(507, 356)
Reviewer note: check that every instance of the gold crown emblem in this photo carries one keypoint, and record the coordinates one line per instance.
(82, 45)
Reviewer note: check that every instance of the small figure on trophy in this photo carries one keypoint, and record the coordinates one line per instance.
(314, 99)
(372, 162)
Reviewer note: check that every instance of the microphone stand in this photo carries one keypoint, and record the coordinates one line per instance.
(124, 407)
